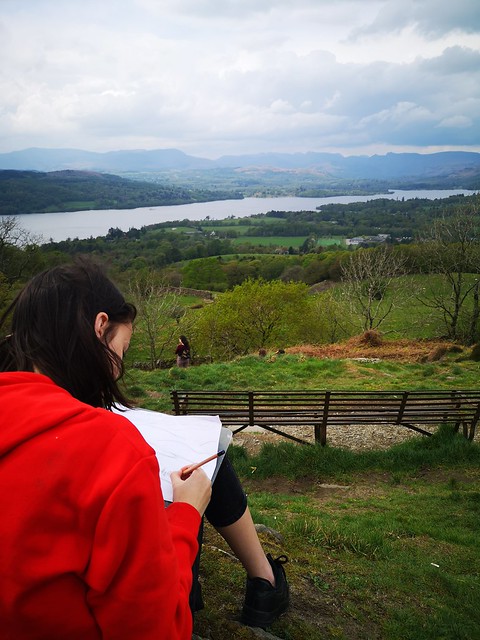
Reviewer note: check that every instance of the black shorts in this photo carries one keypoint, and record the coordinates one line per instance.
(228, 501)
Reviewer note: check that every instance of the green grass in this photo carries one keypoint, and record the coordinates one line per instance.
(383, 545)
(330, 240)
(390, 554)
(238, 224)
(299, 372)
(286, 241)
(316, 462)
(411, 317)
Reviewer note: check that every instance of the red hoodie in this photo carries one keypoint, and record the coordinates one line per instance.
(88, 550)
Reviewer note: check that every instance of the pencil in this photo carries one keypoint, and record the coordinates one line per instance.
(188, 470)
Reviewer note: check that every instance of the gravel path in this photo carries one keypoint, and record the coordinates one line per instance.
(355, 437)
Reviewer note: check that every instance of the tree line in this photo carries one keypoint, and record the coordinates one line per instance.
(372, 282)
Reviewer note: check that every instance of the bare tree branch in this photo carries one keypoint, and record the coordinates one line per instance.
(451, 249)
(160, 313)
(367, 276)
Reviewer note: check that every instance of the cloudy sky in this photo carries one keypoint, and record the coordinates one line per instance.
(216, 77)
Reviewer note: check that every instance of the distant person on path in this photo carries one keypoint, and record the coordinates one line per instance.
(183, 352)
(89, 550)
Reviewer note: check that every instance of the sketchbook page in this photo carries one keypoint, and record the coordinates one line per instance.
(178, 441)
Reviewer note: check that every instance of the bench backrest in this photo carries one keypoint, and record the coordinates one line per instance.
(338, 406)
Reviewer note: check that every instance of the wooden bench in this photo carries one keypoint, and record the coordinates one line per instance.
(277, 410)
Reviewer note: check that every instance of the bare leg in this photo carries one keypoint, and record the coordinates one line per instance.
(243, 540)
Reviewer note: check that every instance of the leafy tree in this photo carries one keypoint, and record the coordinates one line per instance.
(332, 319)
(271, 267)
(256, 314)
(237, 271)
(309, 245)
(204, 274)
(324, 266)
(19, 256)
(295, 273)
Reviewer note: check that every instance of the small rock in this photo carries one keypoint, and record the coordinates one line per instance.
(261, 528)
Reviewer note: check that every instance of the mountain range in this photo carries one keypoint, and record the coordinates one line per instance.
(329, 165)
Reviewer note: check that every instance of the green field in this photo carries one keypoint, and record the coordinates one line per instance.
(279, 241)
(331, 240)
(242, 229)
(412, 318)
(286, 241)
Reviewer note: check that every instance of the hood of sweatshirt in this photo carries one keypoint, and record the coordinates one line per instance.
(31, 404)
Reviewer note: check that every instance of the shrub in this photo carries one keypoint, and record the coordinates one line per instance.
(371, 338)
(475, 353)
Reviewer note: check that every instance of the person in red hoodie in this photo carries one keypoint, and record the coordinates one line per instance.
(88, 550)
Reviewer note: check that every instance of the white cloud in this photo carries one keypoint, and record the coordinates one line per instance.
(233, 76)
(456, 122)
(431, 17)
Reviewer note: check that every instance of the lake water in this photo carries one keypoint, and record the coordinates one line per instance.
(86, 224)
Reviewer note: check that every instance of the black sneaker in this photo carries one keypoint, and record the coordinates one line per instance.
(264, 603)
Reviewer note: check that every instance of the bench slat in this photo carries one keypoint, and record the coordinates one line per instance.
(271, 409)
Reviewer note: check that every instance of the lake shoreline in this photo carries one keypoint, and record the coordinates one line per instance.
(91, 223)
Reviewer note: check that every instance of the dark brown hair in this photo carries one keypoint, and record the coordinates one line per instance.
(52, 328)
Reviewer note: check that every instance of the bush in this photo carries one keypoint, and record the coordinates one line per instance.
(371, 338)
(475, 353)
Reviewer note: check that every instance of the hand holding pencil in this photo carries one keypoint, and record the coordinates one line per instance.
(192, 485)
(195, 490)
(187, 471)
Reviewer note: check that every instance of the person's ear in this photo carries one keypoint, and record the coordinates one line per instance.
(101, 322)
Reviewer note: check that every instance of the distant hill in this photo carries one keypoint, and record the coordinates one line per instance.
(46, 180)
(392, 166)
(41, 192)
(37, 159)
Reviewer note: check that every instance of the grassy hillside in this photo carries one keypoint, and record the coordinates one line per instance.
(39, 192)
(410, 318)
(382, 545)
(289, 371)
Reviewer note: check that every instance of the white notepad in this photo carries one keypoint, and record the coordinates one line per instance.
(179, 441)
